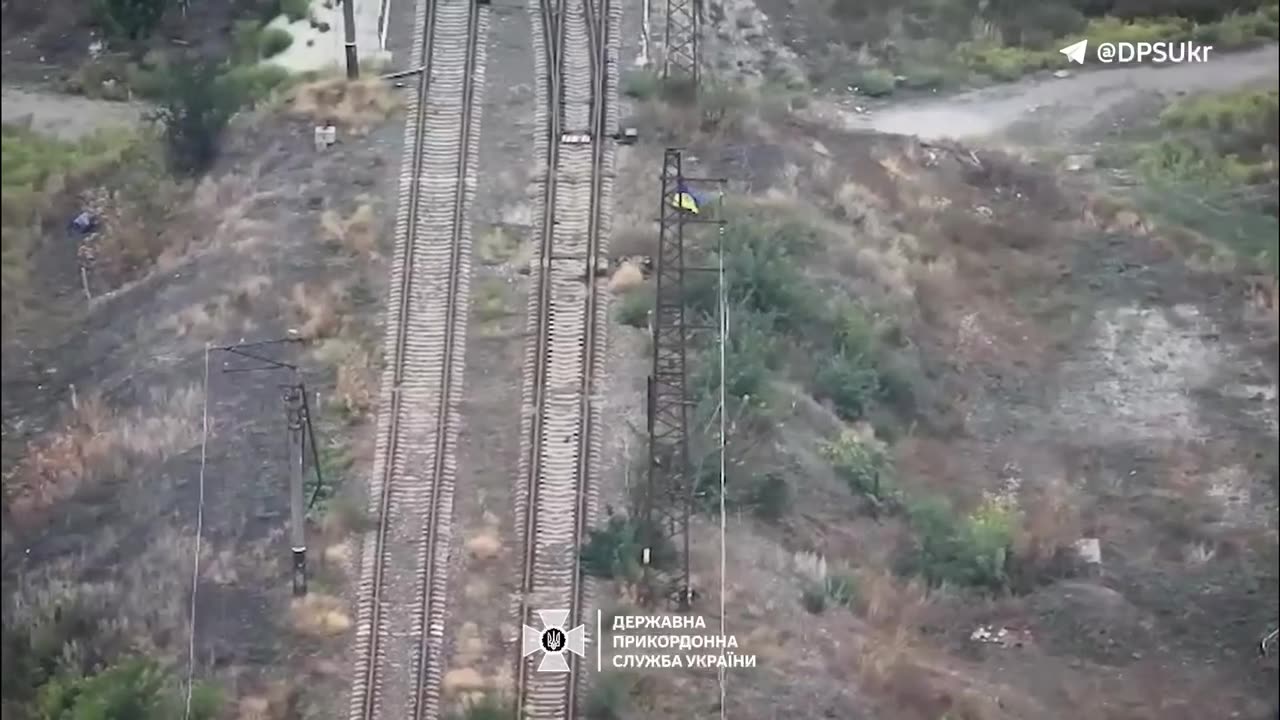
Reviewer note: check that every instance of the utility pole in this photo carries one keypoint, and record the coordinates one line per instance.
(296, 414)
(349, 30)
(298, 417)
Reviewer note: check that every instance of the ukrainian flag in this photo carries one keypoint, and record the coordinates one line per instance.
(685, 199)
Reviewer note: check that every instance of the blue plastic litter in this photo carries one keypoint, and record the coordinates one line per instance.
(85, 223)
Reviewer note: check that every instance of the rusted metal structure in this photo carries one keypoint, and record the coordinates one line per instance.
(680, 47)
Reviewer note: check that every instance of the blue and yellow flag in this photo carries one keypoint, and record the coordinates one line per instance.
(685, 199)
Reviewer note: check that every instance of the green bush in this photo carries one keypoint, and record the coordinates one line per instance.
(615, 551)
(641, 84)
(969, 551)
(295, 10)
(274, 41)
(34, 168)
(831, 591)
(1006, 63)
(875, 83)
(608, 697)
(924, 77)
(250, 83)
(487, 707)
(1249, 111)
(850, 381)
(864, 466)
(1183, 160)
(133, 20)
(762, 271)
(634, 307)
(770, 498)
(195, 109)
(1114, 30)
(246, 41)
(135, 689)
(751, 355)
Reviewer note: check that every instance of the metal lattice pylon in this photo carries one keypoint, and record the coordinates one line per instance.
(668, 498)
(680, 51)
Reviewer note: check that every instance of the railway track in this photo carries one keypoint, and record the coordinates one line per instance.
(401, 610)
(555, 495)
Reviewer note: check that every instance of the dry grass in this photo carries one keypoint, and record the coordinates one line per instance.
(98, 443)
(356, 233)
(356, 106)
(279, 702)
(355, 387)
(484, 545)
(206, 321)
(627, 277)
(141, 610)
(496, 246)
(317, 310)
(319, 615)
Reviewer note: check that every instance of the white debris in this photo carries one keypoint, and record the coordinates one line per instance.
(1004, 637)
(1060, 74)
(1089, 550)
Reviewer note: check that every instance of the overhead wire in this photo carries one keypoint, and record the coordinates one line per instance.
(195, 572)
(724, 334)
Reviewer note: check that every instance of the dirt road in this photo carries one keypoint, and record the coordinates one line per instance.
(1068, 104)
(66, 116)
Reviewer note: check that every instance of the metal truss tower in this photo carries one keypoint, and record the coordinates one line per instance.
(668, 500)
(669, 494)
(680, 47)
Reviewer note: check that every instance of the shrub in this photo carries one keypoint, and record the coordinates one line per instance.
(1247, 111)
(274, 41)
(131, 19)
(641, 84)
(1115, 30)
(245, 41)
(295, 10)
(1006, 63)
(615, 551)
(608, 697)
(864, 466)
(136, 689)
(970, 551)
(751, 353)
(251, 83)
(830, 591)
(770, 498)
(876, 83)
(722, 107)
(634, 308)
(486, 707)
(34, 169)
(1180, 160)
(924, 77)
(195, 109)
(850, 381)
(762, 272)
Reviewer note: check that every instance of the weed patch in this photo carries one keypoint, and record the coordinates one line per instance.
(273, 41)
(634, 308)
(36, 171)
(965, 550)
(864, 465)
(613, 552)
